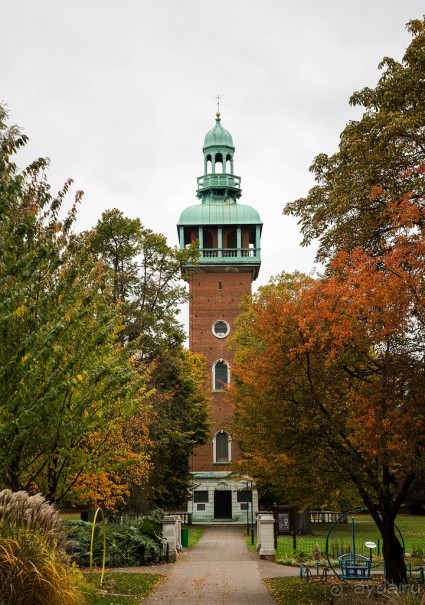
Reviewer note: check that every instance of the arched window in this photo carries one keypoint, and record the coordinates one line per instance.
(219, 160)
(222, 447)
(221, 375)
(229, 164)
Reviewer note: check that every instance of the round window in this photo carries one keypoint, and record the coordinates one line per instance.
(220, 328)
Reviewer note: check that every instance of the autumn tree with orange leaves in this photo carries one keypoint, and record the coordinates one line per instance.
(329, 383)
(329, 373)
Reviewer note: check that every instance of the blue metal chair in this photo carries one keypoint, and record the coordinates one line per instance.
(354, 566)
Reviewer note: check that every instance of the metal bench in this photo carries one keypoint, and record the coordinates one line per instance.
(354, 566)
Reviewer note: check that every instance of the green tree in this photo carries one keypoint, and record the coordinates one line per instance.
(146, 281)
(380, 158)
(118, 241)
(65, 381)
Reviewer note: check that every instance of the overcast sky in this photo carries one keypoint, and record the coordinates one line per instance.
(119, 94)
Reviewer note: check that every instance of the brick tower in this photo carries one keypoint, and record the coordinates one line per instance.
(229, 242)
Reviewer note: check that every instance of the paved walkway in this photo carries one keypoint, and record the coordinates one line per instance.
(219, 570)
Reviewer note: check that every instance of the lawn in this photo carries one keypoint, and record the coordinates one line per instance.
(122, 588)
(340, 540)
(195, 534)
(293, 591)
(248, 540)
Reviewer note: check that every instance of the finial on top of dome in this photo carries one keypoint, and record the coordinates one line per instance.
(218, 106)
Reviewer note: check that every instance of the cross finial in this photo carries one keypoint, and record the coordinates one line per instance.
(218, 106)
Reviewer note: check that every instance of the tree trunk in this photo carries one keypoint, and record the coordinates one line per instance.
(14, 475)
(304, 523)
(395, 567)
(91, 510)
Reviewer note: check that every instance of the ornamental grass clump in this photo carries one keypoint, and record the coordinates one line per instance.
(34, 573)
(34, 569)
(20, 511)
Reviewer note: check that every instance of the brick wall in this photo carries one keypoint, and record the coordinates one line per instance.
(215, 296)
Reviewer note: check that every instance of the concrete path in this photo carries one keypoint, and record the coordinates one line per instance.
(219, 570)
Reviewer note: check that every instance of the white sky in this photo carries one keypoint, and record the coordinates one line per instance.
(120, 94)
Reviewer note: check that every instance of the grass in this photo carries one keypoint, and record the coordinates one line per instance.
(33, 567)
(121, 588)
(411, 527)
(293, 591)
(31, 513)
(34, 571)
(248, 540)
(195, 534)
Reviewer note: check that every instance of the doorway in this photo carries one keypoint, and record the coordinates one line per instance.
(222, 504)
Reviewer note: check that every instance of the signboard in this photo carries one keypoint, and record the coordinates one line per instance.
(283, 525)
(283, 517)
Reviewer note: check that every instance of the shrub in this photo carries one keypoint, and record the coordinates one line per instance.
(135, 542)
(79, 536)
(129, 545)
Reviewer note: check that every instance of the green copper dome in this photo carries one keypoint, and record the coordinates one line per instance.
(222, 214)
(218, 136)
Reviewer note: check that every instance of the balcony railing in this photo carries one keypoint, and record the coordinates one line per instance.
(230, 254)
(219, 180)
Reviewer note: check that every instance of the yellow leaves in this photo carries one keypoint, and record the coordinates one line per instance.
(121, 459)
(20, 311)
